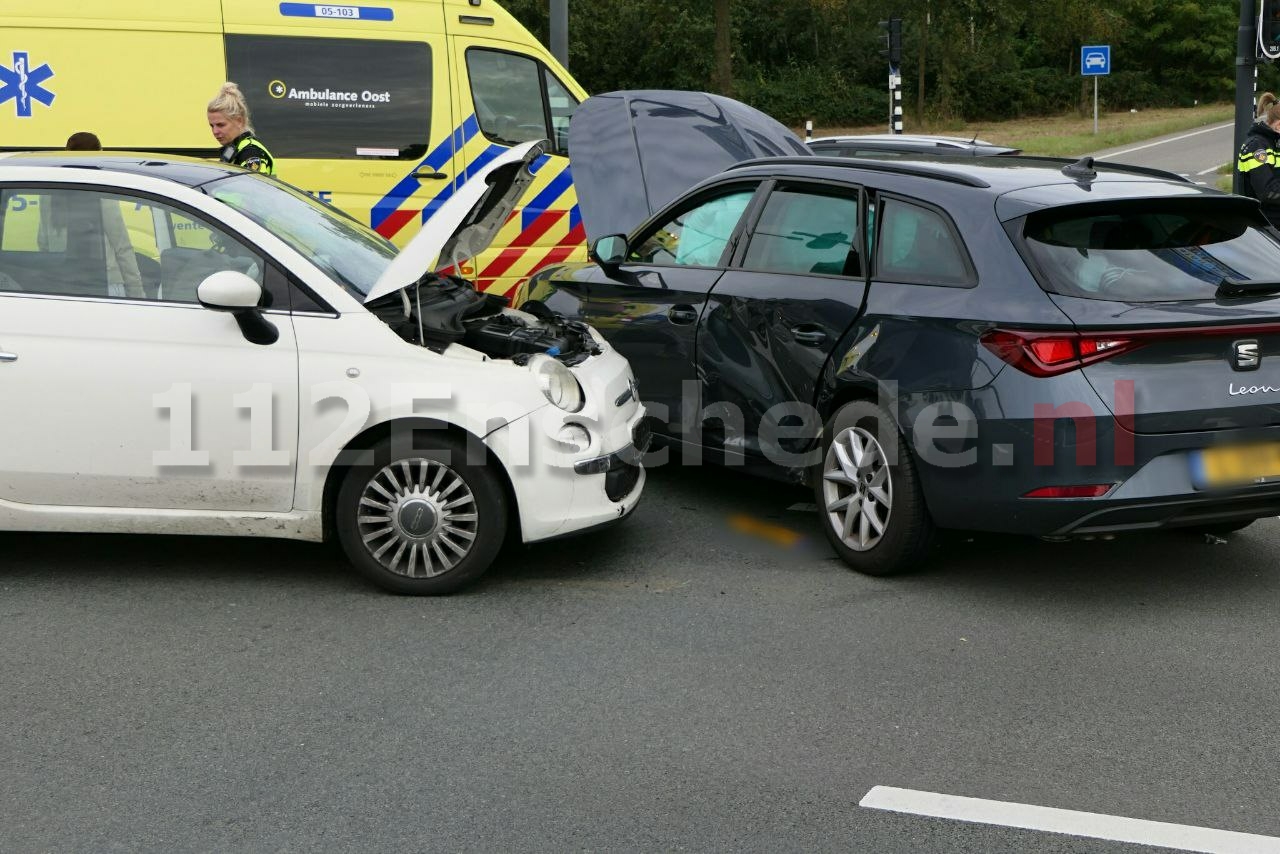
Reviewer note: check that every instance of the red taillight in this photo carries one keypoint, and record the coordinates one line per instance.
(1095, 490)
(1047, 354)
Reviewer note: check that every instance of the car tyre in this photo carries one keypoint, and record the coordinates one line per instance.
(873, 511)
(423, 521)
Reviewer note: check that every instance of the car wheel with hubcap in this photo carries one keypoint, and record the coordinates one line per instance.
(425, 521)
(868, 493)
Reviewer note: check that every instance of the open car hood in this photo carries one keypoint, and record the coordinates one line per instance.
(635, 151)
(465, 224)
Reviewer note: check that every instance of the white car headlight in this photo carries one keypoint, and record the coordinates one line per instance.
(557, 382)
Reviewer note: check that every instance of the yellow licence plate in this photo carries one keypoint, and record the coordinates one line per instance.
(1236, 465)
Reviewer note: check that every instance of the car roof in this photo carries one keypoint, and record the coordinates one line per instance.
(188, 171)
(1027, 182)
(905, 139)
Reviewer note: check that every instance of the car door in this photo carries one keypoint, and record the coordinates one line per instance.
(648, 307)
(776, 314)
(120, 390)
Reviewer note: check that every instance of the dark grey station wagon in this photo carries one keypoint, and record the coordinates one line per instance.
(1001, 344)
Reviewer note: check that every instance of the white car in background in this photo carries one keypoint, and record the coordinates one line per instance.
(188, 348)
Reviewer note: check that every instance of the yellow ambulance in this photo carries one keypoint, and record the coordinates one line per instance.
(382, 109)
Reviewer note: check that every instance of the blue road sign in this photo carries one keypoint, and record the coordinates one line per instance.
(1095, 60)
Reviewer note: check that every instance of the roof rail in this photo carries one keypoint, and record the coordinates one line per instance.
(915, 168)
(1150, 171)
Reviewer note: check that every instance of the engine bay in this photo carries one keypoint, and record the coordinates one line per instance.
(438, 311)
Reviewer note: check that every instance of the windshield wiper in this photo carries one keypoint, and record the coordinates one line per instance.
(1239, 288)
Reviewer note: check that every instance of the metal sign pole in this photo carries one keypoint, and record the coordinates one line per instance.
(1095, 106)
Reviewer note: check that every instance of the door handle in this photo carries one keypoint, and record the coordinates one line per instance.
(808, 336)
(682, 314)
(423, 174)
(8, 357)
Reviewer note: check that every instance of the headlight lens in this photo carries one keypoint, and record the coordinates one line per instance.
(557, 382)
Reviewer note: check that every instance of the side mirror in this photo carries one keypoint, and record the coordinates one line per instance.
(233, 291)
(610, 250)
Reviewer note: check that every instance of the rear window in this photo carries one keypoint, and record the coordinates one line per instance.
(1131, 253)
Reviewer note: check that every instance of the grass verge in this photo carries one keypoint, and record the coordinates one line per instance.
(1070, 135)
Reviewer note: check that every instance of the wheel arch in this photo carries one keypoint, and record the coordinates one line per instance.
(349, 457)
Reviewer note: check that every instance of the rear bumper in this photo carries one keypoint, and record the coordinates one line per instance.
(1151, 479)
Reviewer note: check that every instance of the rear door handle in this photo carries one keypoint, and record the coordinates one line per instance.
(425, 174)
(809, 336)
(8, 357)
(683, 314)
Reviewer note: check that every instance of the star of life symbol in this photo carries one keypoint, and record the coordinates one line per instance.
(23, 84)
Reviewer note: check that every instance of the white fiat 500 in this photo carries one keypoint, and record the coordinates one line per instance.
(188, 348)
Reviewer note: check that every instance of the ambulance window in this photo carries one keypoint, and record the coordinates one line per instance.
(335, 98)
(562, 105)
(517, 99)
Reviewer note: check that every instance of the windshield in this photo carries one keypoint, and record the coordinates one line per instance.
(346, 251)
(1151, 251)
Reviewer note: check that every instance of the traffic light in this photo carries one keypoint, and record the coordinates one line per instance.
(892, 49)
(1269, 29)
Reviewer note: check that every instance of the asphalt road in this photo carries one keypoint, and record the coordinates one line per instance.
(1196, 153)
(667, 685)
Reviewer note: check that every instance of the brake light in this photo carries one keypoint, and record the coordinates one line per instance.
(1047, 354)
(1094, 490)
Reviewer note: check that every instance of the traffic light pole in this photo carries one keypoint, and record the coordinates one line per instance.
(1246, 59)
(893, 52)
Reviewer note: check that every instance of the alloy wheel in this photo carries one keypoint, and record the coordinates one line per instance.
(857, 489)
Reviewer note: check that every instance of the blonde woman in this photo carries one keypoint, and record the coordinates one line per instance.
(229, 121)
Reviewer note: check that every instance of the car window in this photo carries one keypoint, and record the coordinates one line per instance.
(1141, 252)
(335, 97)
(513, 96)
(351, 254)
(806, 232)
(696, 237)
(91, 243)
(917, 245)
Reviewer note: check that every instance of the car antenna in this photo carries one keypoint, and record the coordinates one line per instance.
(1081, 170)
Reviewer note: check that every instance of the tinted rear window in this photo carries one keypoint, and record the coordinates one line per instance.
(1150, 251)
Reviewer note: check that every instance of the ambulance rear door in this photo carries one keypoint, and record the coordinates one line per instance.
(138, 77)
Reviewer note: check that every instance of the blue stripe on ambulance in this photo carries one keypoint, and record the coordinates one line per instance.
(409, 185)
(443, 196)
(539, 204)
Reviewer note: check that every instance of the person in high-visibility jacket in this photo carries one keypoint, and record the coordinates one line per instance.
(1259, 159)
(229, 121)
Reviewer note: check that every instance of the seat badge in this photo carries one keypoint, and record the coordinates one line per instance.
(1245, 355)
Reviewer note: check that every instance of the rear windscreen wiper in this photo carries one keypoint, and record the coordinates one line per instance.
(1238, 288)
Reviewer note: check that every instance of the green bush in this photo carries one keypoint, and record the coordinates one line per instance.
(794, 93)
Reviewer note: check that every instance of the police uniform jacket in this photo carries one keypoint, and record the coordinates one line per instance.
(248, 151)
(1259, 162)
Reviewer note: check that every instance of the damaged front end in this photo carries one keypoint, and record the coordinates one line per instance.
(439, 311)
(428, 307)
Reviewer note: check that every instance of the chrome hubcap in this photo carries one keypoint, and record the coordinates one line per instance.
(857, 489)
(418, 518)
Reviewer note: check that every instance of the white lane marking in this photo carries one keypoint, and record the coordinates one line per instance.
(1171, 139)
(1071, 822)
(1210, 169)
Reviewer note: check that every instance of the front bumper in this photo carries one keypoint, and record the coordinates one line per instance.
(559, 491)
